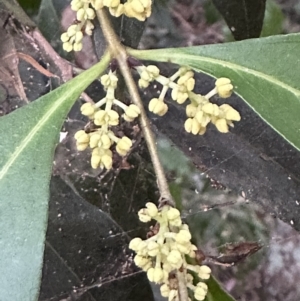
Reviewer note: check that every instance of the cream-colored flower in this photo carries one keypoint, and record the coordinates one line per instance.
(224, 87)
(157, 106)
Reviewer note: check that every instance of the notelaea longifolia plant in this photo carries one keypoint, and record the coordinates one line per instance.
(165, 254)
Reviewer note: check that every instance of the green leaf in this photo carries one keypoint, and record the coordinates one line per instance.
(216, 292)
(264, 72)
(273, 22)
(244, 18)
(28, 140)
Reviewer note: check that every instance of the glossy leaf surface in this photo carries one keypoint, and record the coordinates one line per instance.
(244, 18)
(29, 135)
(264, 73)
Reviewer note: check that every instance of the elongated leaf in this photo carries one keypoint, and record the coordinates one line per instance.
(264, 73)
(215, 291)
(28, 139)
(244, 18)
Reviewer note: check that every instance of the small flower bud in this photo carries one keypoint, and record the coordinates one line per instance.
(113, 117)
(224, 87)
(158, 107)
(165, 290)
(117, 11)
(134, 243)
(105, 141)
(123, 146)
(144, 216)
(87, 109)
(177, 222)
(173, 294)
(107, 161)
(71, 31)
(82, 137)
(155, 275)
(183, 248)
(204, 272)
(191, 110)
(99, 117)
(183, 236)
(173, 213)
(94, 140)
(133, 111)
(97, 4)
(191, 125)
(141, 261)
(175, 259)
(152, 209)
(221, 125)
(77, 46)
(67, 46)
(95, 161)
(90, 13)
(153, 70)
(143, 83)
(64, 37)
(230, 113)
(199, 293)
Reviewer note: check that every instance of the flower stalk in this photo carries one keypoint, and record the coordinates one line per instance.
(118, 51)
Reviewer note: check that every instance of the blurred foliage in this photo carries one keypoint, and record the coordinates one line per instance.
(273, 22)
(272, 25)
(31, 7)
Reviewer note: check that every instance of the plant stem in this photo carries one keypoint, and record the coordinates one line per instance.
(118, 51)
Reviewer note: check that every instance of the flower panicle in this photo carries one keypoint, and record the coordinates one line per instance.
(166, 251)
(104, 117)
(86, 12)
(200, 111)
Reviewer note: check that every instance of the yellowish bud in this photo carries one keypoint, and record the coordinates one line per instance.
(143, 83)
(221, 125)
(100, 117)
(77, 46)
(90, 13)
(191, 110)
(97, 4)
(153, 69)
(95, 161)
(134, 243)
(133, 111)
(165, 290)
(144, 216)
(175, 259)
(204, 272)
(87, 109)
(158, 107)
(105, 141)
(94, 140)
(67, 46)
(64, 37)
(224, 87)
(173, 213)
(117, 11)
(107, 161)
(152, 209)
(183, 236)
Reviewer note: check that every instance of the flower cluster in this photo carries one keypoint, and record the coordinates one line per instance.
(200, 111)
(165, 253)
(102, 138)
(85, 13)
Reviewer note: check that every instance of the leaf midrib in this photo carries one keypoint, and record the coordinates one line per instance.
(223, 63)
